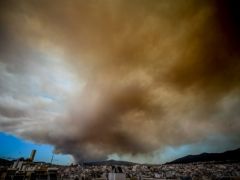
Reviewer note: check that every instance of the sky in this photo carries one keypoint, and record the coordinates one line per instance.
(14, 147)
(142, 80)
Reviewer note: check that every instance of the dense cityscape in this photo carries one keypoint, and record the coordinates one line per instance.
(27, 169)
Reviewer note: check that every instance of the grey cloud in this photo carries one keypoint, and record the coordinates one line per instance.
(147, 74)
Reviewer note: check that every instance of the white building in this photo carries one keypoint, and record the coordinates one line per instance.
(117, 174)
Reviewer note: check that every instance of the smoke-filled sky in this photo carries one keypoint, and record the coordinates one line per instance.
(132, 80)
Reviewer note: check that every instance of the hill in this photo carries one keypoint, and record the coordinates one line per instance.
(4, 162)
(228, 156)
(109, 163)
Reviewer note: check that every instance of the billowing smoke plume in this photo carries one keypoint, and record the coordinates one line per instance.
(96, 78)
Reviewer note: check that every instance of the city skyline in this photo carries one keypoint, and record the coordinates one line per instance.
(144, 81)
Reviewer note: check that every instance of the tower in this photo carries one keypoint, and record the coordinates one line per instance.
(33, 153)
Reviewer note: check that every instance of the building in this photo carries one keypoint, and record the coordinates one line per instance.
(26, 169)
(116, 174)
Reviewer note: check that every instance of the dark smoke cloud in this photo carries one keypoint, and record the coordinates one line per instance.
(146, 74)
(210, 63)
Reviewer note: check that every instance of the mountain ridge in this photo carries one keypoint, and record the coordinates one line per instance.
(230, 156)
(227, 156)
(110, 162)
